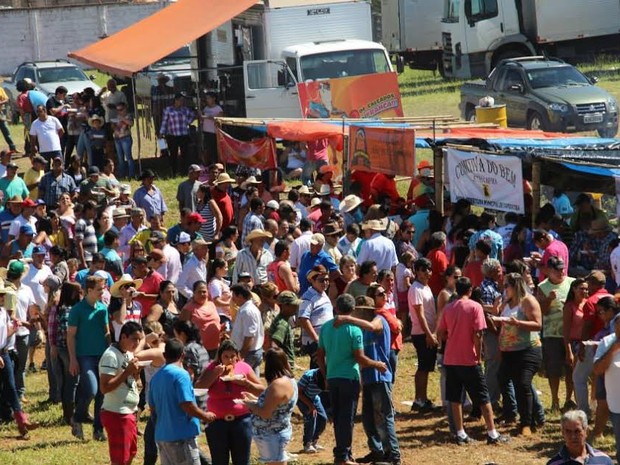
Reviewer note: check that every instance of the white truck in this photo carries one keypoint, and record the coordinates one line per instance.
(477, 34)
(291, 43)
(410, 29)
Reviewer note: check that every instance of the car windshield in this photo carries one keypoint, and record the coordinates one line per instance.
(343, 63)
(556, 76)
(61, 74)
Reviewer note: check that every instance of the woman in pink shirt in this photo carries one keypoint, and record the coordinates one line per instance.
(573, 318)
(227, 377)
(203, 314)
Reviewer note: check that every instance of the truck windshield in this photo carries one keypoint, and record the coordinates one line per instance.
(61, 74)
(451, 11)
(343, 63)
(555, 77)
(182, 55)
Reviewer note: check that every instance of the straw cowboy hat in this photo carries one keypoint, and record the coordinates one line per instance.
(223, 178)
(304, 190)
(94, 118)
(349, 203)
(375, 225)
(249, 182)
(257, 234)
(599, 225)
(324, 190)
(115, 290)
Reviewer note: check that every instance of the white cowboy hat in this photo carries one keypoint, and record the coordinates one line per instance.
(125, 279)
(350, 202)
(375, 225)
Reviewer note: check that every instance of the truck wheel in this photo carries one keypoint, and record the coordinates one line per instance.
(535, 121)
(607, 133)
(470, 114)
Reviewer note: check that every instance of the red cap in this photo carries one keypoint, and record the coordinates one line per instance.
(423, 201)
(29, 203)
(195, 218)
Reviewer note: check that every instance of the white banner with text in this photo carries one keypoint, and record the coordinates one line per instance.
(489, 181)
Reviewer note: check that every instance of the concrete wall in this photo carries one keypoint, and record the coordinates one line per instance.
(50, 33)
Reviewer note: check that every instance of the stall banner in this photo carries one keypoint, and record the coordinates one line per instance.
(367, 96)
(385, 150)
(257, 153)
(490, 181)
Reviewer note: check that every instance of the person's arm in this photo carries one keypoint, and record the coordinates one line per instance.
(567, 322)
(155, 313)
(250, 383)
(320, 361)
(478, 345)
(74, 367)
(108, 383)
(545, 300)
(431, 339)
(191, 409)
(532, 312)
(278, 392)
(304, 324)
(374, 326)
(34, 144)
(602, 364)
(218, 217)
(366, 362)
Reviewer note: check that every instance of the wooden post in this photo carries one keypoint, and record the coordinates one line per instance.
(346, 174)
(535, 189)
(438, 168)
(137, 118)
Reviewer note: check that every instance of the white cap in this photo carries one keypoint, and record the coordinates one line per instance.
(273, 204)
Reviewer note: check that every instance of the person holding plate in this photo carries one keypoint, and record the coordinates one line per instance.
(230, 435)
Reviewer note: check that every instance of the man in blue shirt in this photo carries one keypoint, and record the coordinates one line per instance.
(172, 400)
(149, 197)
(313, 257)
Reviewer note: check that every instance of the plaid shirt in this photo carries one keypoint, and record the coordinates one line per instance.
(489, 291)
(176, 121)
(52, 187)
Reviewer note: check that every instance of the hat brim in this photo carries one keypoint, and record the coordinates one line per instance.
(116, 287)
(355, 204)
(261, 235)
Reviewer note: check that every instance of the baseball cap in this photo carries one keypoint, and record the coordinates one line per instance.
(273, 204)
(317, 238)
(556, 263)
(288, 298)
(40, 202)
(26, 229)
(93, 170)
(39, 250)
(194, 169)
(12, 165)
(184, 238)
(244, 275)
(157, 236)
(195, 218)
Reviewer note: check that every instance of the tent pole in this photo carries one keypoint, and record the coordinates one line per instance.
(438, 168)
(346, 175)
(135, 106)
(535, 189)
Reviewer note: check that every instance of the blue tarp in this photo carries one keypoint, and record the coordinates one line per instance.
(595, 170)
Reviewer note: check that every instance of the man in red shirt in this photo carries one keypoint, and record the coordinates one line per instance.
(473, 270)
(462, 323)
(439, 260)
(223, 199)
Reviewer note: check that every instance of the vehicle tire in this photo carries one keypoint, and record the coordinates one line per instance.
(535, 121)
(470, 114)
(607, 133)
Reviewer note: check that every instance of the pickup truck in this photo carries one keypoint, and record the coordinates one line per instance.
(547, 94)
(47, 76)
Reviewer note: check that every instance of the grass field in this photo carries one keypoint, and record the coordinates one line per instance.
(423, 439)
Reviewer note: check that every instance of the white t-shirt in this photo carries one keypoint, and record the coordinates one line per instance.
(18, 222)
(47, 134)
(419, 294)
(25, 298)
(402, 272)
(219, 288)
(33, 281)
(248, 324)
(614, 259)
(208, 125)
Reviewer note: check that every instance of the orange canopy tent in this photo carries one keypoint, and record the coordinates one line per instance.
(138, 46)
(307, 130)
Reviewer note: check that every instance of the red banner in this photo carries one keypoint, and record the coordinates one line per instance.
(368, 96)
(257, 153)
(385, 150)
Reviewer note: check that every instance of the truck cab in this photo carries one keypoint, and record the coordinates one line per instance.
(271, 85)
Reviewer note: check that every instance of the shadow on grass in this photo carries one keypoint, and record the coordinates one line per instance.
(46, 445)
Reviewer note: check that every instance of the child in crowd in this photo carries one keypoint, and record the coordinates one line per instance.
(310, 386)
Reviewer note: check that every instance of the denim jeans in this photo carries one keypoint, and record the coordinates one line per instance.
(83, 146)
(492, 363)
(7, 381)
(378, 420)
(123, 155)
(615, 421)
(344, 394)
(88, 389)
(520, 366)
(67, 382)
(21, 346)
(393, 363)
(581, 376)
(150, 447)
(314, 425)
(54, 375)
(230, 440)
(4, 128)
(254, 359)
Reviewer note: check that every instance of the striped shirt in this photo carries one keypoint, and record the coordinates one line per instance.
(85, 232)
(595, 457)
(309, 383)
(251, 222)
(207, 229)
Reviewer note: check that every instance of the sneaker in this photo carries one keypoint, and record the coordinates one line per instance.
(569, 405)
(429, 406)
(500, 439)
(416, 405)
(317, 446)
(77, 431)
(461, 441)
(371, 457)
(99, 436)
(309, 448)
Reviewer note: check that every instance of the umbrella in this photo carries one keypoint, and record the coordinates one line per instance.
(37, 98)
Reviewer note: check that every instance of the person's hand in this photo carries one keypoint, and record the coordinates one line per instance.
(74, 367)
(248, 396)
(552, 296)
(512, 321)
(431, 341)
(1, 363)
(243, 382)
(133, 368)
(209, 417)
(381, 367)
(127, 292)
(570, 358)
(313, 411)
(339, 320)
(219, 370)
(54, 352)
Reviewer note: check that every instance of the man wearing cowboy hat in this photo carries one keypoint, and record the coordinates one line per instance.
(149, 197)
(350, 209)
(194, 269)
(162, 95)
(95, 140)
(332, 231)
(54, 183)
(46, 133)
(254, 258)
(135, 225)
(26, 217)
(301, 198)
(223, 199)
(378, 247)
(123, 307)
(120, 219)
(11, 184)
(12, 210)
(254, 219)
(313, 257)
(175, 128)
(186, 192)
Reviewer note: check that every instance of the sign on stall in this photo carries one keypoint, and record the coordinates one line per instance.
(257, 153)
(490, 181)
(386, 150)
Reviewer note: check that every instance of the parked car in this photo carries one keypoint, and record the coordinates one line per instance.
(544, 93)
(47, 76)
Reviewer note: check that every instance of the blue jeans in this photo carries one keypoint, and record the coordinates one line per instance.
(54, 375)
(520, 366)
(88, 389)
(492, 363)
(344, 394)
(254, 359)
(378, 420)
(21, 346)
(123, 155)
(67, 382)
(272, 447)
(4, 128)
(7, 381)
(615, 421)
(314, 425)
(581, 376)
(230, 439)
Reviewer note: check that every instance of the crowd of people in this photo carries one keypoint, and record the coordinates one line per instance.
(187, 321)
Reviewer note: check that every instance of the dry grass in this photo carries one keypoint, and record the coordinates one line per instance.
(423, 439)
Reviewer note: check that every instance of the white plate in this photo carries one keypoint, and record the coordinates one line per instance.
(231, 377)
(145, 363)
(200, 392)
(590, 343)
